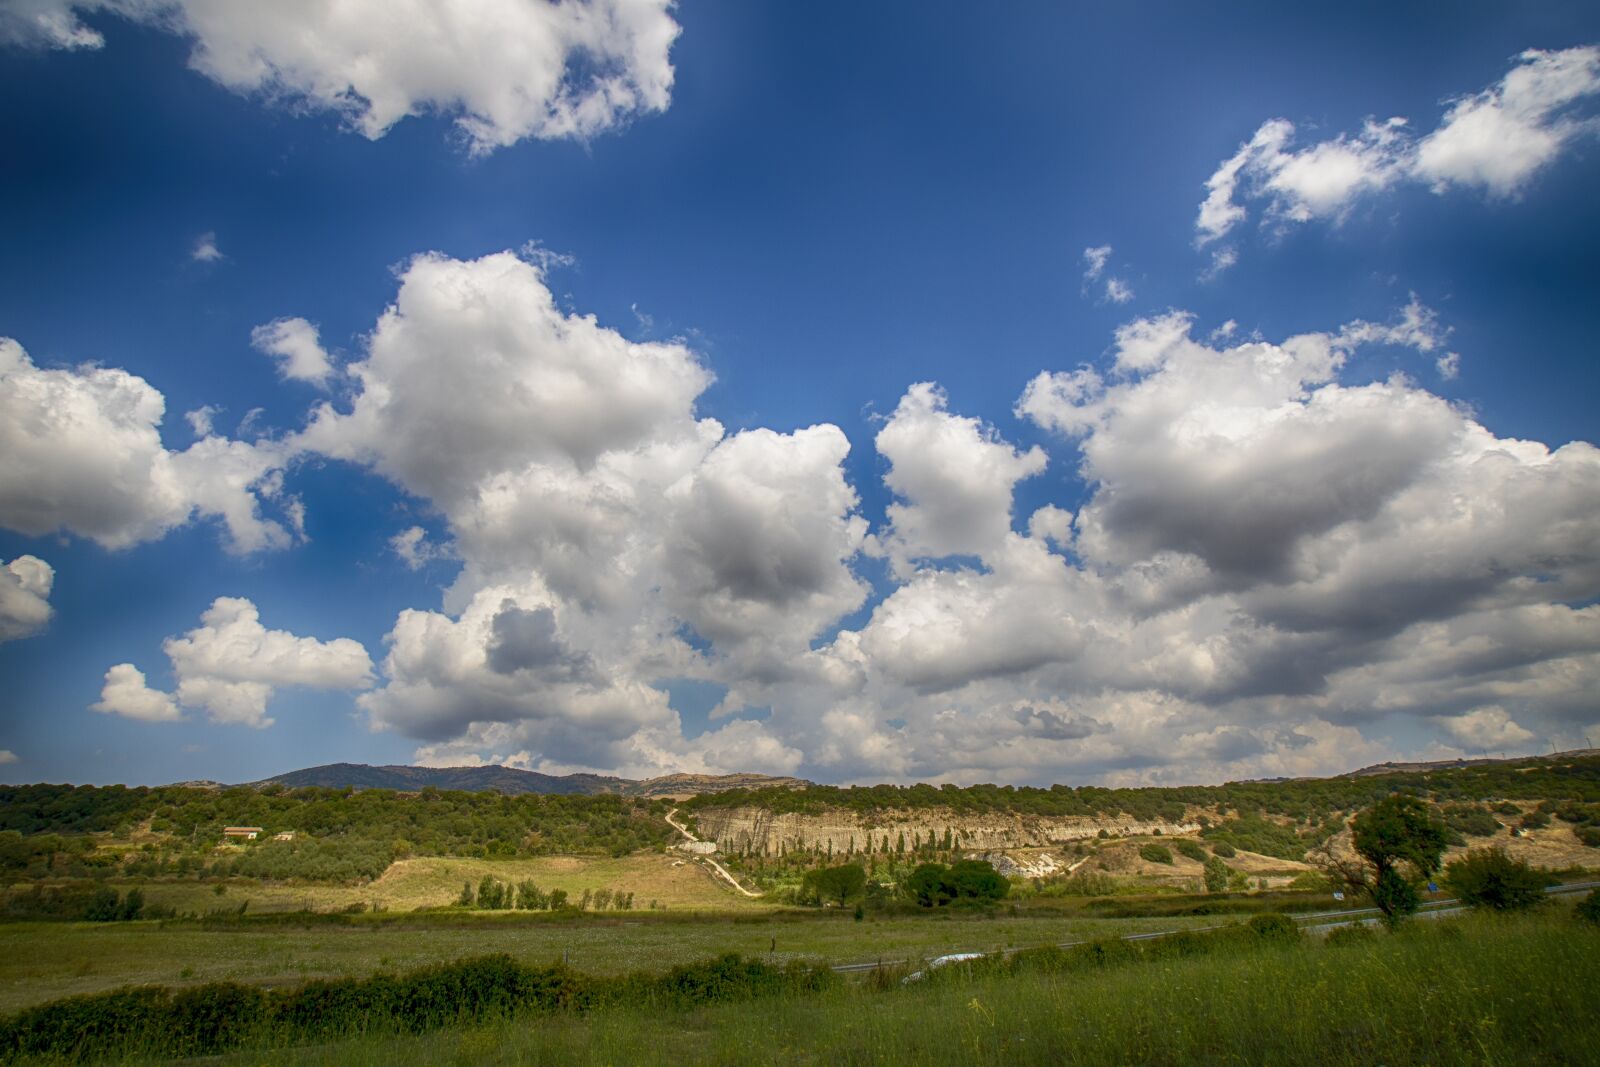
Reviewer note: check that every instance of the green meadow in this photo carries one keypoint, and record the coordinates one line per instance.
(44, 961)
(1480, 989)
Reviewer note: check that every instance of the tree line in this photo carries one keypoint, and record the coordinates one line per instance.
(1309, 801)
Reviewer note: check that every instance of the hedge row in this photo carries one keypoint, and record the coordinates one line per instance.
(221, 1016)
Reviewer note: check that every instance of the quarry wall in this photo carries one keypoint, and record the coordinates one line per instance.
(757, 831)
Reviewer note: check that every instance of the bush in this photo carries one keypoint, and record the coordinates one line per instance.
(1190, 849)
(1588, 908)
(1154, 853)
(220, 1016)
(1589, 835)
(1354, 934)
(1273, 927)
(1216, 875)
(79, 901)
(1488, 878)
(1223, 849)
(1079, 884)
(1470, 820)
(1535, 820)
(934, 884)
(1256, 834)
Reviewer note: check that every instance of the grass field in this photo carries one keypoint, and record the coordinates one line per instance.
(673, 882)
(44, 961)
(1479, 990)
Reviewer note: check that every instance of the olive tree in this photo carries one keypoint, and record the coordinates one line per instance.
(1398, 843)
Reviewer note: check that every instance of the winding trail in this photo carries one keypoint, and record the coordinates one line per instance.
(713, 864)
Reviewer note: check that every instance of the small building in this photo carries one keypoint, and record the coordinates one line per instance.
(248, 833)
(287, 835)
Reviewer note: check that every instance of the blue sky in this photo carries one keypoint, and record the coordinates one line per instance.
(719, 528)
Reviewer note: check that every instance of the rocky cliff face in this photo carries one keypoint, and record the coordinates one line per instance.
(760, 832)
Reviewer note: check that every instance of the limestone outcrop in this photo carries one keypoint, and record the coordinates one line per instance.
(756, 831)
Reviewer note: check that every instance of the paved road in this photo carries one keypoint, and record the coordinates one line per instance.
(1351, 917)
(707, 860)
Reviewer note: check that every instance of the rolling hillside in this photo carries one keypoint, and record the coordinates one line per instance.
(513, 782)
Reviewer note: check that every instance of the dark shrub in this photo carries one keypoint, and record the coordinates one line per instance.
(1225, 850)
(104, 906)
(1354, 934)
(89, 1026)
(1273, 927)
(1154, 853)
(1190, 849)
(1588, 908)
(213, 1017)
(1488, 878)
(1471, 820)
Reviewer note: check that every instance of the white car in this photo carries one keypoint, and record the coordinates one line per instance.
(942, 961)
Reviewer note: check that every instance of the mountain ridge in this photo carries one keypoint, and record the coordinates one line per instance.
(514, 781)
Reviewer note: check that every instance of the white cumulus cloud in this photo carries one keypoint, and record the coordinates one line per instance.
(24, 597)
(1500, 138)
(230, 666)
(294, 343)
(1271, 556)
(1496, 140)
(953, 475)
(506, 70)
(604, 528)
(81, 451)
(125, 693)
(1485, 729)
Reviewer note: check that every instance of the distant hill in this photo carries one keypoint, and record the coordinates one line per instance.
(1457, 764)
(514, 782)
(689, 785)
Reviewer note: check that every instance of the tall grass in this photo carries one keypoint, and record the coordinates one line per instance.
(1490, 990)
(1478, 991)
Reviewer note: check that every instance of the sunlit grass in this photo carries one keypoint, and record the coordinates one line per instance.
(44, 961)
(1490, 990)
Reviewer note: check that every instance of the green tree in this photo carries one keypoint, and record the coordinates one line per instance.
(1216, 875)
(842, 883)
(978, 880)
(1488, 878)
(929, 885)
(466, 898)
(1399, 843)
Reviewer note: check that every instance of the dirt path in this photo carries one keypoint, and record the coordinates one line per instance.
(713, 864)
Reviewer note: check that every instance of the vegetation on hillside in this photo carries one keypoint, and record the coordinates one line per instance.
(52, 833)
(338, 835)
(1309, 800)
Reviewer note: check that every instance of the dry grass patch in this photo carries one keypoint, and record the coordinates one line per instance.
(672, 882)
